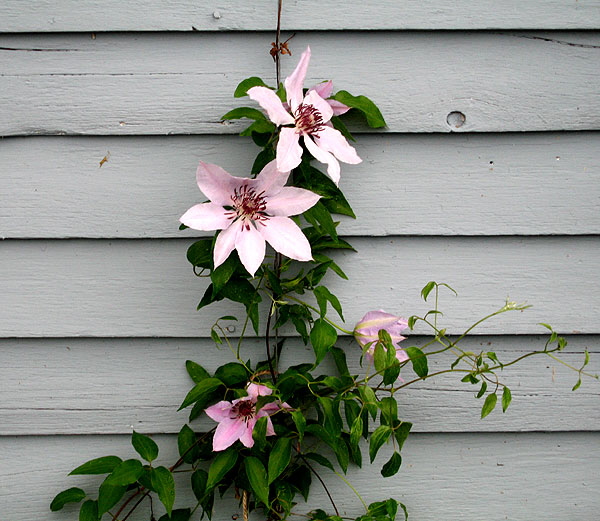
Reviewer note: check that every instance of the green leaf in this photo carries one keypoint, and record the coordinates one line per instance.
(146, 447)
(323, 296)
(164, 484)
(125, 473)
(180, 514)
(264, 157)
(197, 372)
(419, 361)
(199, 481)
(322, 337)
(221, 465)
(201, 389)
(332, 419)
(321, 460)
(301, 479)
(370, 400)
(401, 432)
(244, 112)
(316, 181)
(342, 454)
(482, 389)
(259, 433)
(506, 398)
(363, 104)
(89, 511)
(392, 466)
(241, 290)
(577, 385)
(356, 431)
(259, 127)
(242, 89)
(104, 465)
(427, 289)
(340, 361)
(232, 374)
(257, 476)
(338, 124)
(380, 435)
(109, 495)
(300, 422)
(489, 404)
(389, 410)
(223, 273)
(280, 458)
(71, 495)
(200, 253)
(186, 444)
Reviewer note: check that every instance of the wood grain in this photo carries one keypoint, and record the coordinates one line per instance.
(127, 84)
(482, 184)
(240, 15)
(146, 288)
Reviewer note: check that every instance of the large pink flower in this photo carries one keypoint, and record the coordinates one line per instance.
(250, 212)
(308, 117)
(238, 418)
(367, 331)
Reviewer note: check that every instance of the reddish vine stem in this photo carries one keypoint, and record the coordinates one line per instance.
(322, 483)
(277, 38)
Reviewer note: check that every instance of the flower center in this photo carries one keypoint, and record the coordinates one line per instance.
(243, 410)
(248, 205)
(308, 119)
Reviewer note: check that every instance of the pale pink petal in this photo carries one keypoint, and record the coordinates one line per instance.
(323, 89)
(206, 216)
(216, 183)
(333, 141)
(333, 167)
(246, 437)
(250, 246)
(219, 411)
(284, 235)
(227, 433)
(270, 180)
(269, 101)
(312, 98)
(225, 243)
(270, 429)
(338, 107)
(289, 151)
(295, 81)
(256, 390)
(291, 201)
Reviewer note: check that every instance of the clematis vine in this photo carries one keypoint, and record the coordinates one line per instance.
(238, 418)
(367, 332)
(250, 212)
(307, 117)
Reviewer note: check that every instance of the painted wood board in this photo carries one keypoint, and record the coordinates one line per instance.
(466, 477)
(108, 386)
(498, 81)
(240, 15)
(147, 288)
(478, 184)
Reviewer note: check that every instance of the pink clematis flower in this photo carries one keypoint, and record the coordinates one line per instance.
(250, 212)
(308, 118)
(367, 331)
(238, 418)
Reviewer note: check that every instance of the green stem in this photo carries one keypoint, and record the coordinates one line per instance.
(353, 489)
(337, 326)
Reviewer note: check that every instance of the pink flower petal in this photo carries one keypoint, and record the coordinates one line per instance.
(333, 167)
(250, 246)
(246, 437)
(289, 151)
(227, 433)
(313, 98)
(291, 201)
(269, 101)
(216, 183)
(323, 89)
(206, 216)
(225, 243)
(256, 390)
(294, 82)
(270, 180)
(338, 107)
(219, 411)
(285, 237)
(331, 140)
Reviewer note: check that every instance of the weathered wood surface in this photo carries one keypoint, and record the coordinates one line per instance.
(241, 15)
(172, 84)
(108, 386)
(521, 477)
(498, 184)
(146, 288)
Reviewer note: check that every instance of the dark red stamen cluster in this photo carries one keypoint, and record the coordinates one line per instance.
(248, 205)
(243, 410)
(308, 119)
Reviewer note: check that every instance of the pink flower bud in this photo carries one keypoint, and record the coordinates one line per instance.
(367, 331)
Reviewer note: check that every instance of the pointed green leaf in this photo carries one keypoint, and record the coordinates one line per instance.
(482, 389)
(221, 465)
(109, 495)
(392, 466)
(125, 473)
(181, 514)
(200, 253)
(321, 460)
(146, 447)
(419, 361)
(506, 398)
(370, 400)
(71, 495)
(300, 422)
(104, 465)
(365, 105)
(201, 389)
(244, 112)
(378, 438)
(242, 89)
(199, 481)
(489, 404)
(257, 476)
(197, 372)
(280, 458)
(186, 444)
(401, 433)
(322, 337)
(232, 374)
(577, 384)
(164, 484)
(89, 511)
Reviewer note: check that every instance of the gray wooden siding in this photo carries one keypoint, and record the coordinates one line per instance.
(97, 301)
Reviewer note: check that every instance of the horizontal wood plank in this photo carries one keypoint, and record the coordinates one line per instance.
(481, 184)
(146, 288)
(240, 15)
(517, 474)
(172, 84)
(108, 386)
